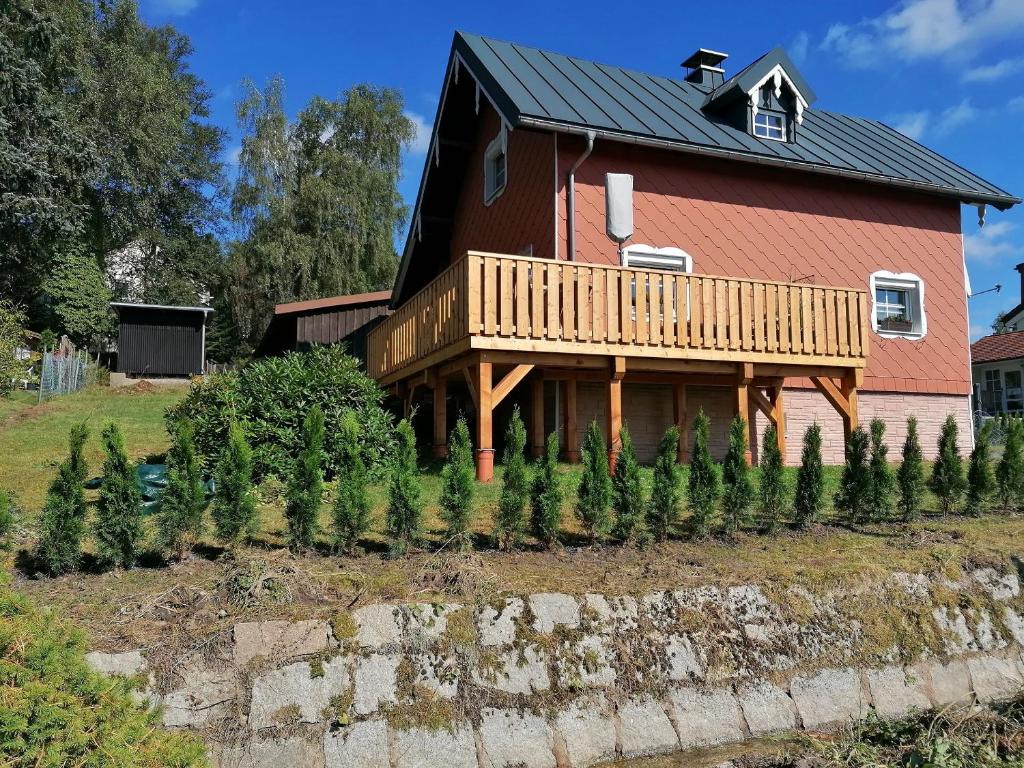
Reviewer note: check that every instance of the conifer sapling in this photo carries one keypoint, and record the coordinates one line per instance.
(306, 483)
(180, 521)
(883, 481)
(546, 495)
(704, 483)
(595, 489)
(627, 491)
(666, 487)
(405, 503)
(351, 509)
(980, 479)
(947, 480)
(737, 489)
(62, 523)
(910, 475)
(1010, 468)
(810, 480)
(854, 494)
(510, 520)
(234, 506)
(117, 528)
(458, 484)
(771, 491)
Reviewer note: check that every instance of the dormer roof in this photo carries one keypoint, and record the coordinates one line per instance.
(775, 66)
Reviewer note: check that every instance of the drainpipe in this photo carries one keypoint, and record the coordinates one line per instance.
(570, 206)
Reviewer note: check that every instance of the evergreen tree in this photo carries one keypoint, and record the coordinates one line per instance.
(180, 521)
(546, 495)
(510, 521)
(666, 488)
(738, 492)
(595, 489)
(910, 476)
(628, 501)
(980, 479)
(77, 298)
(1010, 469)
(854, 495)
(62, 523)
(6, 521)
(351, 510)
(234, 506)
(458, 484)
(704, 484)
(883, 481)
(405, 505)
(771, 491)
(306, 483)
(947, 480)
(810, 479)
(117, 528)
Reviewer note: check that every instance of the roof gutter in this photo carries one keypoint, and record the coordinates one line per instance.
(998, 201)
(570, 213)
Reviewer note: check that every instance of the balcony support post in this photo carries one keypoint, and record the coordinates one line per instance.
(572, 443)
(778, 416)
(484, 438)
(618, 372)
(681, 419)
(537, 417)
(744, 375)
(440, 418)
(843, 398)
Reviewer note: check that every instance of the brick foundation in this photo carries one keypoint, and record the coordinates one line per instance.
(647, 410)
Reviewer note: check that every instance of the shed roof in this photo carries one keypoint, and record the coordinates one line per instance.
(537, 88)
(374, 297)
(998, 346)
(119, 305)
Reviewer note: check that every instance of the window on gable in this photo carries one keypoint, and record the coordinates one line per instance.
(770, 125)
(899, 305)
(495, 168)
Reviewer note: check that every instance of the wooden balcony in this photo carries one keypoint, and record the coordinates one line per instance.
(495, 302)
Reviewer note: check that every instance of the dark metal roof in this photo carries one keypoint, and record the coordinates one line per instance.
(540, 89)
(747, 78)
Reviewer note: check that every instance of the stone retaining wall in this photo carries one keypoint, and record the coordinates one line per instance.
(550, 680)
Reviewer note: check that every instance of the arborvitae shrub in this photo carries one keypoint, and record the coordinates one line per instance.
(117, 528)
(234, 506)
(62, 523)
(1010, 469)
(510, 520)
(947, 480)
(595, 490)
(666, 487)
(306, 483)
(854, 495)
(737, 489)
(180, 521)
(810, 480)
(883, 481)
(6, 521)
(771, 491)
(910, 476)
(351, 510)
(458, 483)
(627, 491)
(405, 503)
(980, 479)
(704, 483)
(546, 495)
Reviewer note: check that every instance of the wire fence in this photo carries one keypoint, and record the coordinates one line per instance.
(64, 371)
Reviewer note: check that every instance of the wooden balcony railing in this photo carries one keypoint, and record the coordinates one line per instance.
(492, 301)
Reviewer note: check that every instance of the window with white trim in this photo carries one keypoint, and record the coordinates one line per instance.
(770, 125)
(665, 259)
(898, 305)
(495, 168)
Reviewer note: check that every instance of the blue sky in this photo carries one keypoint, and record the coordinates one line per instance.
(948, 73)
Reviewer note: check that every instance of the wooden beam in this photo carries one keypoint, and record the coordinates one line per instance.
(537, 417)
(744, 375)
(776, 399)
(850, 382)
(572, 442)
(440, 418)
(508, 383)
(455, 366)
(468, 376)
(833, 394)
(545, 359)
(763, 403)
(773, 371)
(614, 420)
(618, 365)
(681, 418)
(484, 426)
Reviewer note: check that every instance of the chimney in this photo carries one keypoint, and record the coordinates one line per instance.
(1020, 268)
(704, 68)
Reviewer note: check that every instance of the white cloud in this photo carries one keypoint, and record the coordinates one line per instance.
(919, 29)
(1016, 104)
(912, 124)
(955, 116)
(990, 72)
(232, 156)
(172, 7)
(798, 48)
(917, 124)
(421, 141)
(990, 243)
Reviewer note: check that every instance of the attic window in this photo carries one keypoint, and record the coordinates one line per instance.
(495, 168)
(899, 305)
(770, 125)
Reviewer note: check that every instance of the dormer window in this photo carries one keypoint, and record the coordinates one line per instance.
(770, 125)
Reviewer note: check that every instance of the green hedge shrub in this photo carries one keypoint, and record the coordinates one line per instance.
(269, 398)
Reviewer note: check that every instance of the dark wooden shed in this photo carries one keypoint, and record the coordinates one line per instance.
(157, 340)
(337, 319)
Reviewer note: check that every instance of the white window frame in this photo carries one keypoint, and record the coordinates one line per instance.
(668, 259)
(767, 134)
(900, 281)
(497, 147)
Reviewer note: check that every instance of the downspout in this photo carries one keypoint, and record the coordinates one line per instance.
(570, 200)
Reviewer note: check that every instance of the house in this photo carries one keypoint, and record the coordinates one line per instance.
(997, 363)
(338, 319)
(157, 341)
(594, 243)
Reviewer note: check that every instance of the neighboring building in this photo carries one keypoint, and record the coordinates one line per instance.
(997, 363)
(341, 319)
(1014, 319)
(155, 341)
(591, 242)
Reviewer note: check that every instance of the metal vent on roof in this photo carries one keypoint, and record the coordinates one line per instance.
(704, 67)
